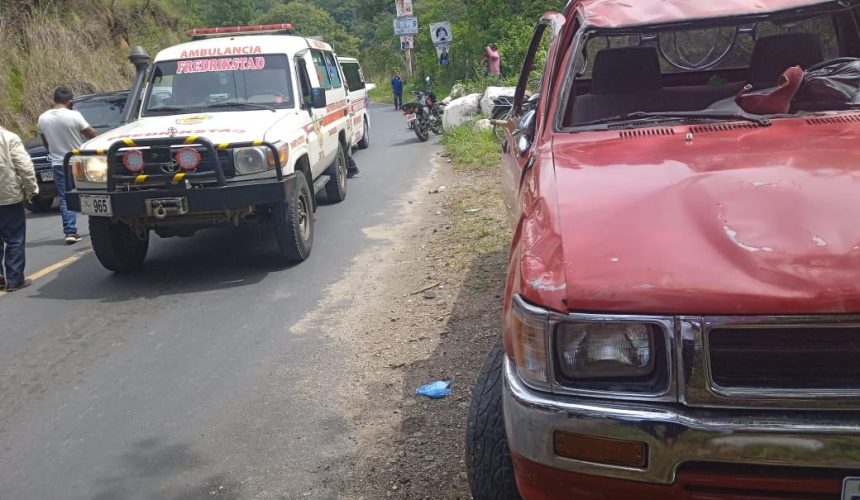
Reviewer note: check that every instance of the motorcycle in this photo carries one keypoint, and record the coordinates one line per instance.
(425, 114)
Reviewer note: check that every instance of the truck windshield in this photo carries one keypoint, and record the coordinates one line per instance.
(699, 72)
(224, 83)
(102, 114)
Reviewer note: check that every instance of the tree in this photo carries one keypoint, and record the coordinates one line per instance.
(229, 12)
(310, 20)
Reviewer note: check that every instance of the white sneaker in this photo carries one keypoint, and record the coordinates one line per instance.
(72, 238)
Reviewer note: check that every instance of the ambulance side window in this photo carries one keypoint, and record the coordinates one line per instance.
(331, 66)
(322, 69)
(304, 81)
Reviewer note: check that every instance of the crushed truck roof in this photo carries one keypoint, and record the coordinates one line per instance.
(621, 13)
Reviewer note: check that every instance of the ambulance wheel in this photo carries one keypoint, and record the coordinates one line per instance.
(335, 188)
(294, 223)
(364, 143)
(117, 246)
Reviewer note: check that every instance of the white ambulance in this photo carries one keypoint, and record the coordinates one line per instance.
(242, 125)
(358, 101)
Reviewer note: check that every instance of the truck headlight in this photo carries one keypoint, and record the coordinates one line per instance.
(606, 350)
(89, 168)
(602, 355)
(250, 160)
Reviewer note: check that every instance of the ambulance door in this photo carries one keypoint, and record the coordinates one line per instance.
(307, 80)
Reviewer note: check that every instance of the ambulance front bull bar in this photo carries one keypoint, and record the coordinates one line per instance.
(172, 180)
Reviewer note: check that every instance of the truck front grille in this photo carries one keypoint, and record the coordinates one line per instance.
(802, 358)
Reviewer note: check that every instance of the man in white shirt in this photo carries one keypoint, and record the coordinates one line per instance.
(62, 131)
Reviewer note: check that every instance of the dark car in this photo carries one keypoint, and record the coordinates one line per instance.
(102, 111)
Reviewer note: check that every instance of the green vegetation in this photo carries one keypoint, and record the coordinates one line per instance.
(470, 148)
(84, 43)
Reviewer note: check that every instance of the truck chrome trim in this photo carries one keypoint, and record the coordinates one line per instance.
(675, 434)
(700, 390)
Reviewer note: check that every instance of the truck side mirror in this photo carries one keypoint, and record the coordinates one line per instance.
(318, 100)
(524, 132)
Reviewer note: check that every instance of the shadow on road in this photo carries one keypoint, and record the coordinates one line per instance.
(151, 463)
(216, 259)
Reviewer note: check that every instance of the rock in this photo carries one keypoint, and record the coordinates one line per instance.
(458, 90)
(447, 100)
(493, 93)
(484, 124)
(461, 110)
(429, 294)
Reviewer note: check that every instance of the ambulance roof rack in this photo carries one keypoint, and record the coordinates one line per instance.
(259, 29)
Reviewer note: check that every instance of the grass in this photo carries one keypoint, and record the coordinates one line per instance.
(480, 234)
(472, 149)
(382, 93)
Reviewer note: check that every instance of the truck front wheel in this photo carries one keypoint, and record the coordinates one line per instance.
(488, 459)
(117, 246)
(294, 223)
(39, 204)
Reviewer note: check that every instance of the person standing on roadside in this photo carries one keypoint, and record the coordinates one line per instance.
(493, 60)
(62, 131)
(17, 184)
(397, 89)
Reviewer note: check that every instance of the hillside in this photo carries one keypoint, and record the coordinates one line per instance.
(84, 43)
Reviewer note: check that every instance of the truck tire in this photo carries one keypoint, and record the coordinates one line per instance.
(116, 245)
(335, 189)
(39, 204)
(294, 223)
(364, 143)
(488, 459)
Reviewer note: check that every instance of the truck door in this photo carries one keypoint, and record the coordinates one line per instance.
(530, 110)
(313, 124)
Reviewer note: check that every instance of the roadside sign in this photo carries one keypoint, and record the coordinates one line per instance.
(404, 8)
(442, 36)
(407, 42)
(406, 25)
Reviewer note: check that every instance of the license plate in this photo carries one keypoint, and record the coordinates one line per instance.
(410, 119)
(851, 488)
(47, 176)
(96, 205)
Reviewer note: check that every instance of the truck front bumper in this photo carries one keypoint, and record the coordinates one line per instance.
(212, 199)
(806, 452)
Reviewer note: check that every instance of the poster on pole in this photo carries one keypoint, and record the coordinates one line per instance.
(404, 8)
(407, 42)
(442, 36)
(405, 25)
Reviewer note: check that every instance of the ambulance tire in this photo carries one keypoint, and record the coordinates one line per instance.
(293, 222)
(116, 245)
(364, 143)
(335, 188)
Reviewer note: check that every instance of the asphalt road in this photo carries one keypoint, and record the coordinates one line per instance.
(184, 380)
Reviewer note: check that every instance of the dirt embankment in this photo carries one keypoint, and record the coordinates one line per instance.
(423, 307)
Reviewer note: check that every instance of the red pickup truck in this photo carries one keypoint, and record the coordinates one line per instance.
(682, 308)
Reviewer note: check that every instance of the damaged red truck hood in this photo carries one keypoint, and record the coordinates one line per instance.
(748, 221)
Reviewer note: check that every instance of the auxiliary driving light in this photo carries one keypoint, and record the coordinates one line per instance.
(188, 158)
(133, 161)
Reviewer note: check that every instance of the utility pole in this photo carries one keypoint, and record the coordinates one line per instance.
(408, 62)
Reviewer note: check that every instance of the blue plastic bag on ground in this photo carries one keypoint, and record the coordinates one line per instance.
(436, 390)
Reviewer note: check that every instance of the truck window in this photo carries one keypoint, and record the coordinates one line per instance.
(304, 80)
(322, 70)
(354, 78)
(102, 113)
(331, 66)
(197, 84)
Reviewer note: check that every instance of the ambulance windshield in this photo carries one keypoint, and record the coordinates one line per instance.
(222, 83)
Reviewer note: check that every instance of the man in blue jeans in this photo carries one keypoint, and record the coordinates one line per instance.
(64, 130)
(17, 184)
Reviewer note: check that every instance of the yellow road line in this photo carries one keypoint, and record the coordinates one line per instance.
(54, 267)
